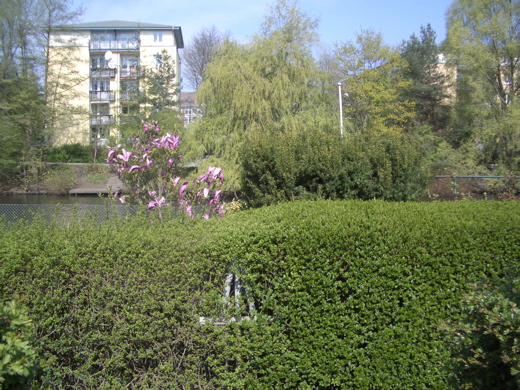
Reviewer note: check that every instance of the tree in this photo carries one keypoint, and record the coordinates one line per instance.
(199, 53)
(374, 84)
(483, 42)
(158, 83)
(430, 83)
(269, 85)
(35, 86)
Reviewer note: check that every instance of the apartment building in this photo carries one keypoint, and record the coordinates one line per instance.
(106, 60)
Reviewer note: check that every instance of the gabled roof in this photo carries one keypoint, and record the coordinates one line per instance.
(118, 24)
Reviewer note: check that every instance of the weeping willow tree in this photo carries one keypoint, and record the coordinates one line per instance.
(268, 86)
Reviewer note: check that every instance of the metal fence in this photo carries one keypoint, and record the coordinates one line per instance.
(65, 213)
(510, 181)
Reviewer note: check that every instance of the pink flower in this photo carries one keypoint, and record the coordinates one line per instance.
(206, 192)
(206, 216)
(183, 188)
(190, 212)
(125, 156)
(175, 181)
(133, 168)
(122, 199)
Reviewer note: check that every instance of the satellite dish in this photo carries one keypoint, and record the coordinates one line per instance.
(109, 60)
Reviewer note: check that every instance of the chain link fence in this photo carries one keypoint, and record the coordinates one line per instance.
(64, 213)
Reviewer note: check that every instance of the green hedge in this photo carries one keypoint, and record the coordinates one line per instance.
(319, 165)
(348, 294)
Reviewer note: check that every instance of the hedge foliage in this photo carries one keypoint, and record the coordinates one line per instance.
(348, 294)
(319, 165)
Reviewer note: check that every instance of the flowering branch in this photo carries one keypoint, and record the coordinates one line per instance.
(151, 170)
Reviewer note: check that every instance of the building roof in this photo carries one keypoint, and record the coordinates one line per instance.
(124, 25)
(118, 24)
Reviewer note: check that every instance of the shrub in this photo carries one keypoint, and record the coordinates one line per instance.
(70, 153)
(347, 294)
(282, 167)
(18, 359)
(486, 342)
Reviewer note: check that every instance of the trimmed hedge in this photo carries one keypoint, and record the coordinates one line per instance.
(348, 294)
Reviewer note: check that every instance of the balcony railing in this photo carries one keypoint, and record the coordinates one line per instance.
(114, 45)
(128, 72)
(129, 96)
(102, 73)
(129, 119)
(102, 96)
(101, 120)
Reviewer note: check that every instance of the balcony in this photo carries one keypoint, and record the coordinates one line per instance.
(114, 45)
(99, 120)
(129, 119)
(102, 73)
(102, 96)
(125, 72)
(129, 96)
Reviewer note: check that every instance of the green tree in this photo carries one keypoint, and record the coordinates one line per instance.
(266, 86)
(483, 42)
(429, 80)
(158, 84)
(374, 84)
(35, 87)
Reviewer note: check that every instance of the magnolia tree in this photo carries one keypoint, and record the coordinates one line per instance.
(152, 171)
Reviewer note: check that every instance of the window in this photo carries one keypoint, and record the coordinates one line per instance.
(129, 90)
(98, 132)
(129, 66)
(98, 62)
(130, 109)
(157, 36)
(100, 85)
(126, 36)
(103, 36)
(100, 109)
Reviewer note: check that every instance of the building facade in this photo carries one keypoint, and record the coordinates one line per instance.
(106, 58)
(190, 110)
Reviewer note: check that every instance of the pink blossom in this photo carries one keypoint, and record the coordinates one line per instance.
(126, 155)
(183, 188)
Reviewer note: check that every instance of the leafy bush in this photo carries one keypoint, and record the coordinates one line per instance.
(18, 359)
(486, 343)
(60, 179)
(287, 166)
(350, 294)
(347, 294)
(70, 153)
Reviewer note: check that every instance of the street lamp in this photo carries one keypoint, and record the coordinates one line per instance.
(340, 110)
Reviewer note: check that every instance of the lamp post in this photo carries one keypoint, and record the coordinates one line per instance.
(340, 110)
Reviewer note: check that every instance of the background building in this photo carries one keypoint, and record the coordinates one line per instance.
(189, 108)
(106, 59)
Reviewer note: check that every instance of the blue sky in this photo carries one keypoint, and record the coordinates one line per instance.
(339, 19)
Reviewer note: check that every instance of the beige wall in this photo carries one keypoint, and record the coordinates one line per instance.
(71, 54)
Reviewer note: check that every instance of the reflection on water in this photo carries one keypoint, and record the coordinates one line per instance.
(52, 199)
